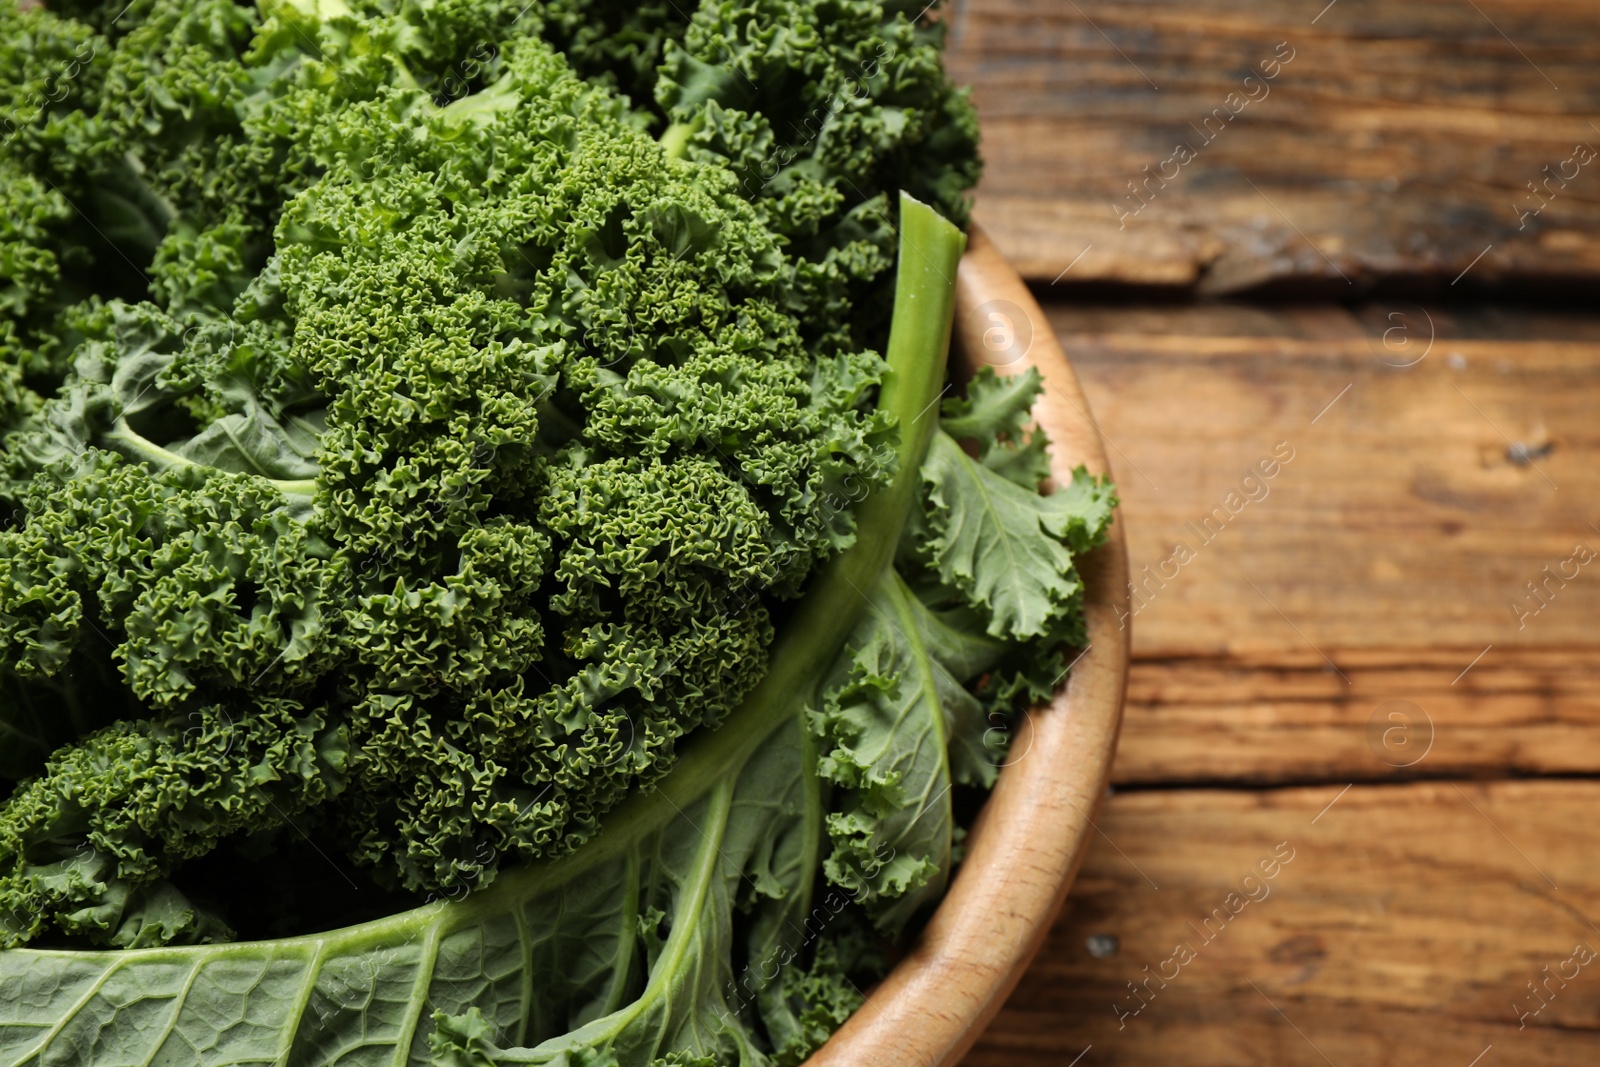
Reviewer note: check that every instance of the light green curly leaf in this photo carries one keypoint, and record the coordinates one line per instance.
(988, 539)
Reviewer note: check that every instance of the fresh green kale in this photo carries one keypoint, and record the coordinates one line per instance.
(447, 442)
(716, 919)
(471, 464)
(822, 109)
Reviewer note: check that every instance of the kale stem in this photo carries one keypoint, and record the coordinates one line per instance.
(136, 446)
(675, 138)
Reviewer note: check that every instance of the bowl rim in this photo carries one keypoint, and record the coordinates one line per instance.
(1025, 847)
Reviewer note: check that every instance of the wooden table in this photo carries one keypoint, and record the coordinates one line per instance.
(1372, 674)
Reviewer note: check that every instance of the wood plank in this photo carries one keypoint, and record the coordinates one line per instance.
(1404, 517)
(1274, 719)
(1405, 929)
(1383, 559)
(1398, 139)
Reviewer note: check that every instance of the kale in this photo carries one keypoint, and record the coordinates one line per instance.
(466, 444)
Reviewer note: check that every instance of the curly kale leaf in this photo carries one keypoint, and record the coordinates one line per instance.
(501, 463)
(695, 929)
(86, 846)
(406, 447)
(825, 110)
(722, 919)
(897, 711)
(615, 41)
(201, 581)
(923, 700)
(990, 535)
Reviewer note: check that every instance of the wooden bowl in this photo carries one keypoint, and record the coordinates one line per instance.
(1026, 845)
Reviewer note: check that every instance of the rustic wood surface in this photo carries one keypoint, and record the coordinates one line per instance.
(1359, 629)
(1405, 929)
(1397, 140)
(1394, 548)
(1351, 627)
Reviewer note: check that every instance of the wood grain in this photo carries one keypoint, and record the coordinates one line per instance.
(1383, 559)
(1404, 930)
(1382, 570)
(1404, 518)
(1287, 719)
(1398, 141)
